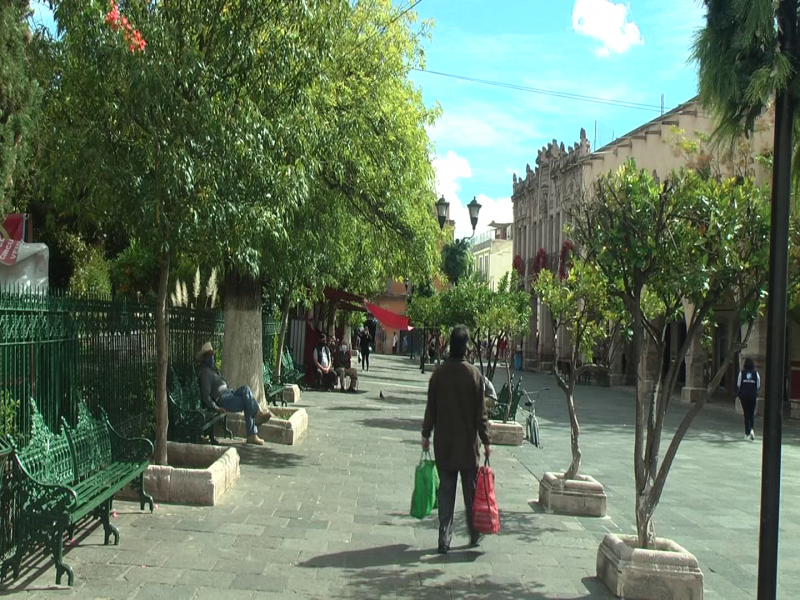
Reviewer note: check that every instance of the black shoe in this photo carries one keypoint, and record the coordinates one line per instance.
(443, 549)
(476, 541)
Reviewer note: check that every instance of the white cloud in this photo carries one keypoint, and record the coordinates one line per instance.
(449, 170)
(607, 22)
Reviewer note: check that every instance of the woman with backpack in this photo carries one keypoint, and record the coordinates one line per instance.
(748, 385)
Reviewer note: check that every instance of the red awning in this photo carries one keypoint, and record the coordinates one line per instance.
(348, 307)
(340, 295)
(387, 318)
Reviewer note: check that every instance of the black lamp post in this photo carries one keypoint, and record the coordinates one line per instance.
(442, 211)
(474, 208)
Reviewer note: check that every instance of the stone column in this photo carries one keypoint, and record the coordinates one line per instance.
(648, 367)
(546, 350)
(530, 350)
(695, 378)
(616, 375)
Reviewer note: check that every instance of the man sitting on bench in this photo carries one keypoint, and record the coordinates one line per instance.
(216, 396)
(343, 367)
(326, 377)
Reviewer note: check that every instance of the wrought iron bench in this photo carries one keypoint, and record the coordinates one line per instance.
(498, 411)
(61, 479)
(189, 421)
(290, 374)
(272, 390)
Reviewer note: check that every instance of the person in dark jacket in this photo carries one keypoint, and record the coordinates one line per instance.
(748, 385)
(366, 348)
(456, 411)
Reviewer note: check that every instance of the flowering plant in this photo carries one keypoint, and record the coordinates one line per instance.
(118, 22)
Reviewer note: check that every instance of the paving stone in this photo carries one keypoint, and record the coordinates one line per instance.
(265, 583)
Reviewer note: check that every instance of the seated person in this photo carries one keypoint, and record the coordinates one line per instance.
(216, 396)
(343, 367)
(323, 365)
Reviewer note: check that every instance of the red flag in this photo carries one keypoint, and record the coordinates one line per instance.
(13, 227)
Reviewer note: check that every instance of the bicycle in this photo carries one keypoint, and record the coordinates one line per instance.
(531, 422)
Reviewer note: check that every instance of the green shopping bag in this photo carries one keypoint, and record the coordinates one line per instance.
(426, 486)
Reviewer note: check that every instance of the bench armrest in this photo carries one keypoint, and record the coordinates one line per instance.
(37, 491)
(138, 449)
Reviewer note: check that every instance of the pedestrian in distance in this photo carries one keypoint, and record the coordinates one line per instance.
(366, 348)
(394, 344)
(748, 384)
(456, 414)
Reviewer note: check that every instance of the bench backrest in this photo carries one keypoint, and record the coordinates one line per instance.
(91, 443)
(186, 396)
(267, 374)
(47, 456)
(288, 361)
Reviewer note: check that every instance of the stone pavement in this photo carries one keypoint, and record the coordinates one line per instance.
(329, 518)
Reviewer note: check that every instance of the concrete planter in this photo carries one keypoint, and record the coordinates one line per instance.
(288, 426)
(198, 475)
(291, 393)
(584, 496)
(668, 571)
(506, 434)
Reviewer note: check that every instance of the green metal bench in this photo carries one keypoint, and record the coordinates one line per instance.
(64, 478)
(290, 374)
(273, 391)
(498, 411)
(189, 421)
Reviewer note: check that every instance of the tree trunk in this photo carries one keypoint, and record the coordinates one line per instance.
(510, 392)
(242, 354)
(162, 360)
(331, 319)
(287, 304)
(574, 434)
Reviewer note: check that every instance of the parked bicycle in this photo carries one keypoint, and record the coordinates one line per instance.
(531, 422)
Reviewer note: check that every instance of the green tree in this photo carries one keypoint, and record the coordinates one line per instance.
(688, 241)
(457, 260)
(156, 130)
(507, 317)
(580, 305)
(20, 96)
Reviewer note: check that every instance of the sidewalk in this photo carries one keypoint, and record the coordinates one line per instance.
(329, 518)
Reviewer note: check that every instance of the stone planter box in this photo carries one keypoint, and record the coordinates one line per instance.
(291, 393)
(584, 496)
(198, 475)
(506, 434)
(288, 426)
(668, 571)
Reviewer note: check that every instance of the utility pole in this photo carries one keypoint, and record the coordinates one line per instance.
(662, 105)
(776, 317)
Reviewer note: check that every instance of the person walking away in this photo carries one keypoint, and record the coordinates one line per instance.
(456, 413)
(394, 344)
(365, 349)
(748, 384)
(217, 396)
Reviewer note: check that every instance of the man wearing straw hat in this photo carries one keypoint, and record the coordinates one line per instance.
(216, 396)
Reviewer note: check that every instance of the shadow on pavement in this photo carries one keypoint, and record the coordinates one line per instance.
(405, 424)
(267, 458)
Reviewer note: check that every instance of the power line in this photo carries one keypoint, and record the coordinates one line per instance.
(552, 93)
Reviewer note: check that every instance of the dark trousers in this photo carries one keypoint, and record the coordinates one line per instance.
(365, 360)
(749, 409)
(327, 380)
(447, 502)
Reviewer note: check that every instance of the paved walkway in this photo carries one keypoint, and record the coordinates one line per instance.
(329, 518)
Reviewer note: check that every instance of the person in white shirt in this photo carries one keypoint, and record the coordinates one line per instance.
(326, 378)
(394, 343)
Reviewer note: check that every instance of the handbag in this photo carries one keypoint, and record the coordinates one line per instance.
(426, 486)
(485, 514)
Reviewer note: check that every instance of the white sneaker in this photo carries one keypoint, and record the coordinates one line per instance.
(746, 436)
(752, 437)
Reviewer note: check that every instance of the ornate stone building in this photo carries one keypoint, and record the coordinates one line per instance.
(542, 201)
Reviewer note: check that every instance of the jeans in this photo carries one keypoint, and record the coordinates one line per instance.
(365, 360)
(447, 502)
(241, 401)
(749, 409)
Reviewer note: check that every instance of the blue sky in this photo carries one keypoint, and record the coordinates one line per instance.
(632, 51)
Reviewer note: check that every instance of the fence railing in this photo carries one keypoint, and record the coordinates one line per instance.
(61, 349)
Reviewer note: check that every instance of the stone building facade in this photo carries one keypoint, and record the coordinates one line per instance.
(542, 202)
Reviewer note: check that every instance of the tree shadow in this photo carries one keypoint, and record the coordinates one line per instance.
(398, 400)
(405, 424)
(266, 457)
(353, 408)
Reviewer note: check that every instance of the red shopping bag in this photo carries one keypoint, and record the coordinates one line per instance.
(485, 515)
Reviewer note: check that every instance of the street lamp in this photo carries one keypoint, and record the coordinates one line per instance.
(474, 208)
(442, 208)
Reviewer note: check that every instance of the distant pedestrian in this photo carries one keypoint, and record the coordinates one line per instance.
(405, 344)
(748, 385)
(366, 348)
(394, 344)
(456, 412)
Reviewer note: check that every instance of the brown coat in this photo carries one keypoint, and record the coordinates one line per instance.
(457, 411)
